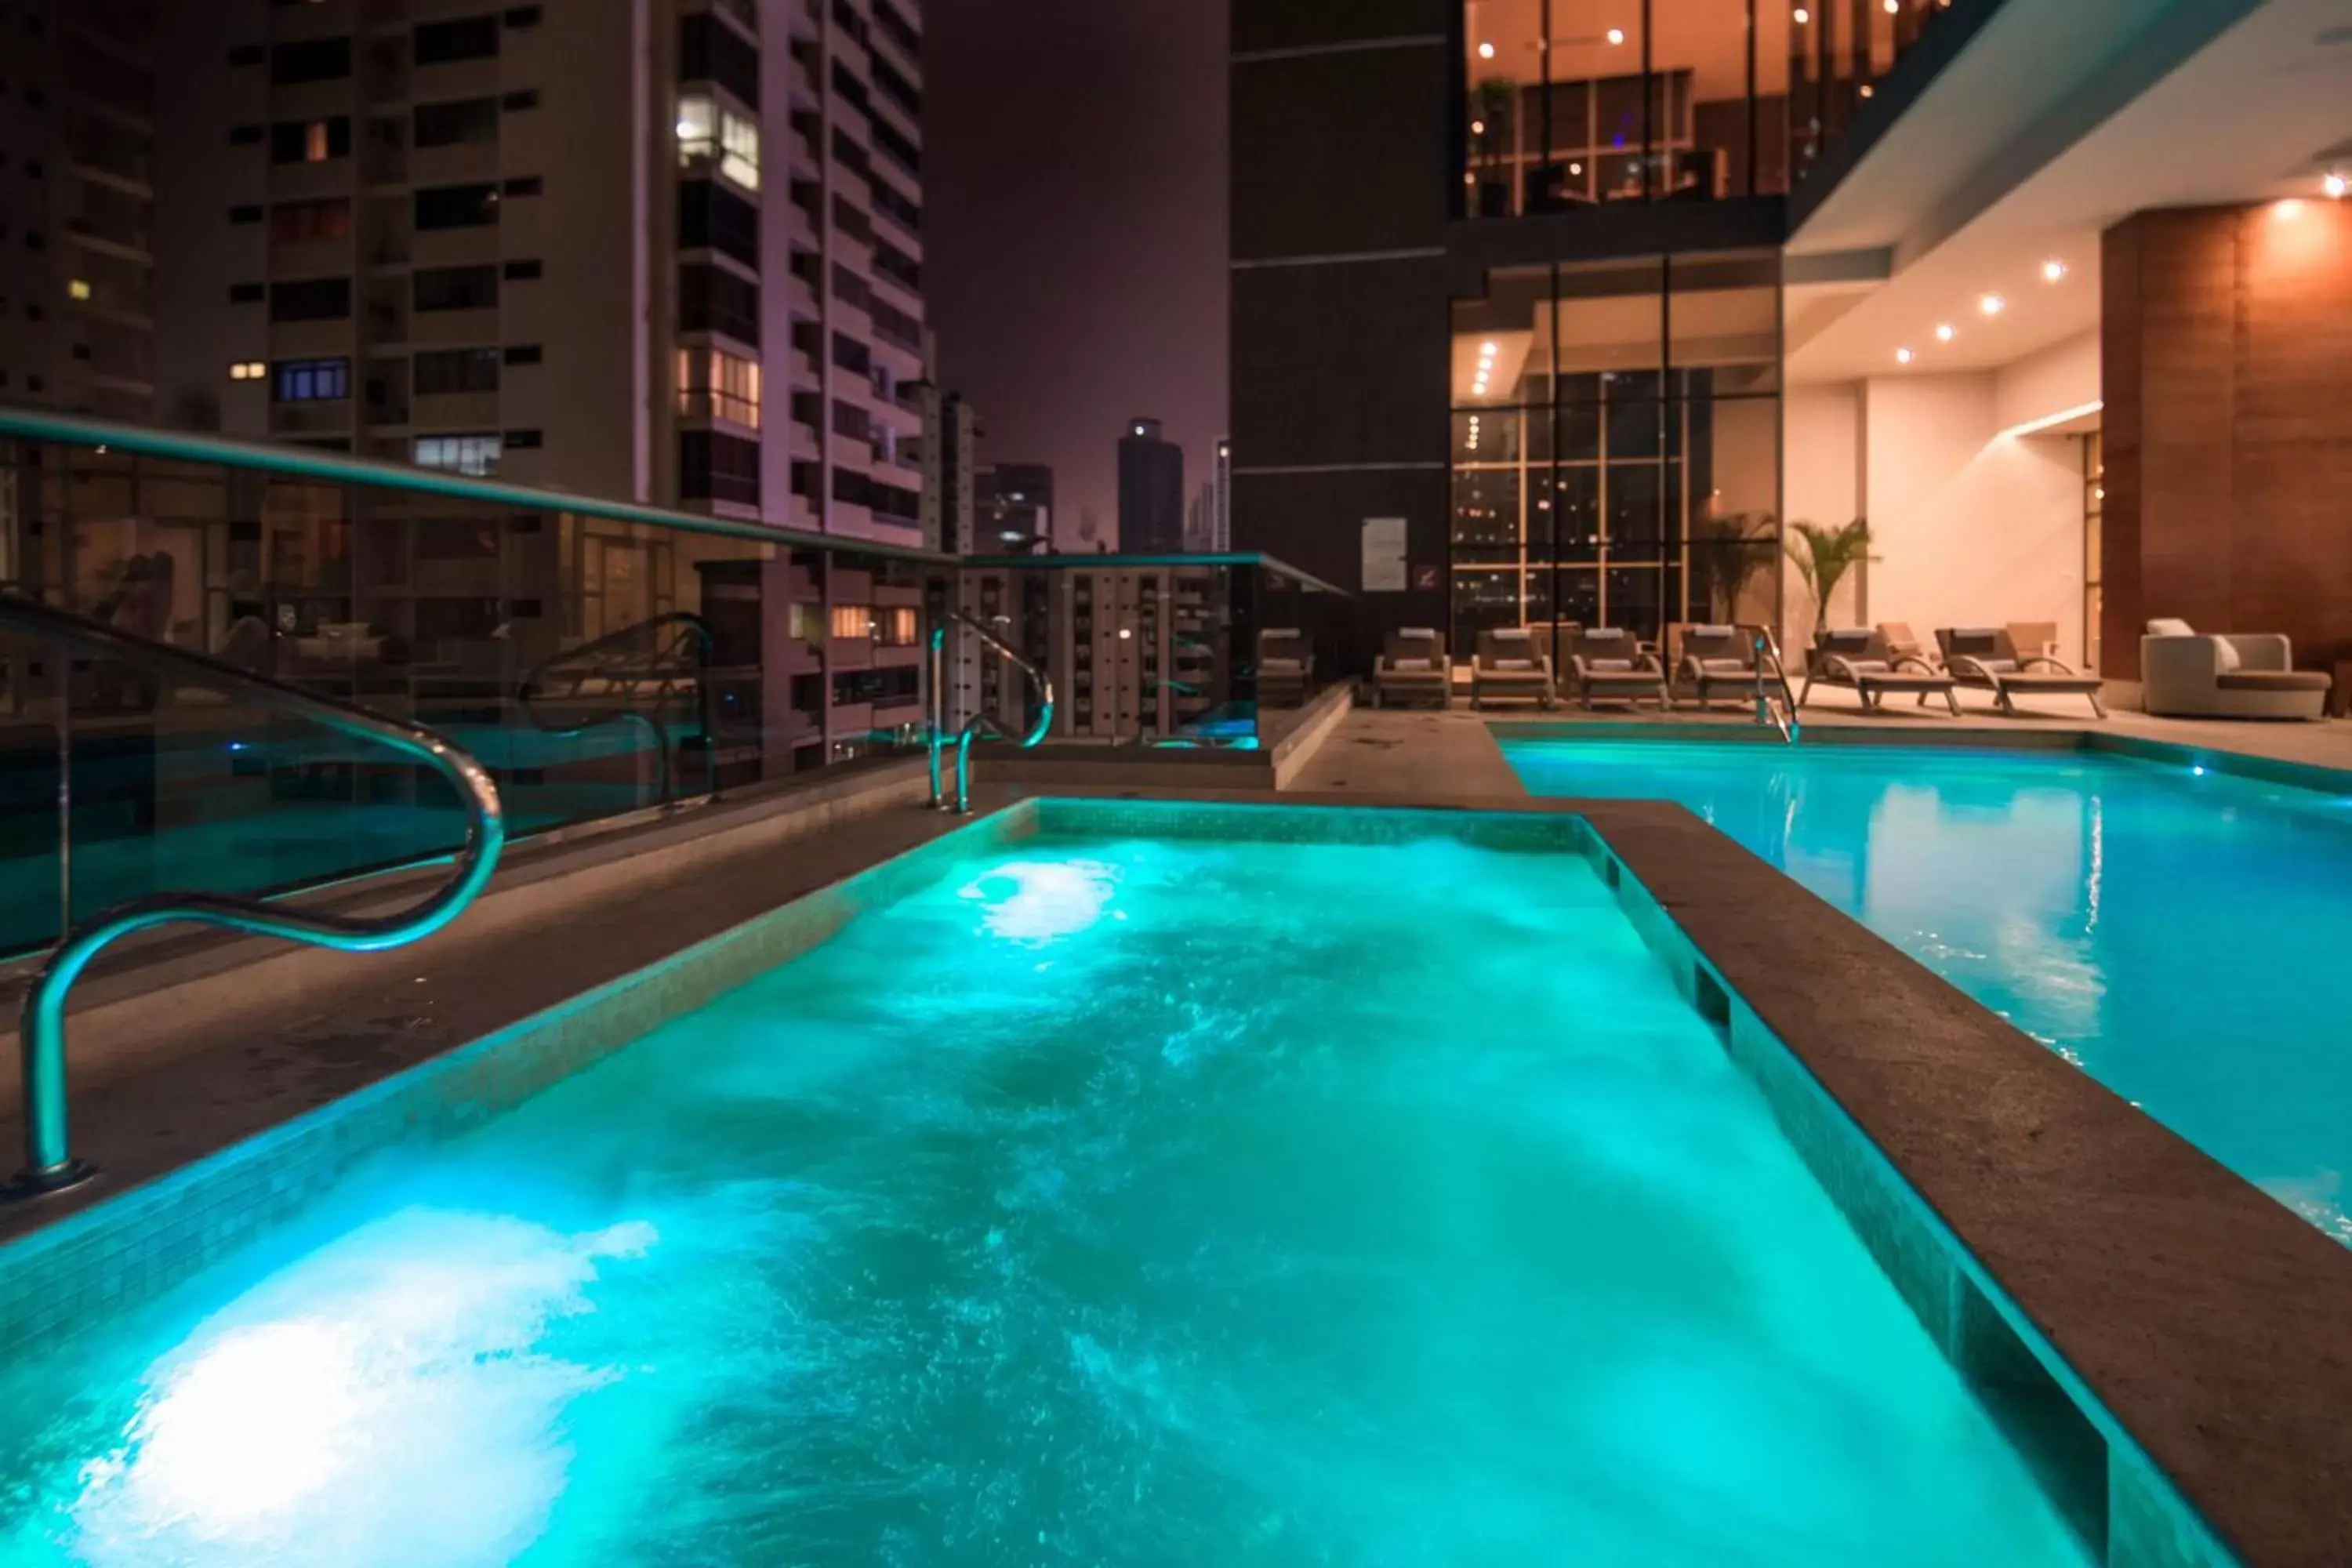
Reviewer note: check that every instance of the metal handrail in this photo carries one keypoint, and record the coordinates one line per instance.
(50, 1165)
(1784, 718)
(530, 691)
(980, 724)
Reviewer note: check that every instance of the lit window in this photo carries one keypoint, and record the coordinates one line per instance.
(313, 379)
(739, 158)
(78, 288)
(698, 127)
(852, 623)
(705, 132)
(248, 370)
(474, 454)
(715, 385)
(314, 142)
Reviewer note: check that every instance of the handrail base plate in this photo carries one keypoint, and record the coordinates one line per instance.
(28, 1185)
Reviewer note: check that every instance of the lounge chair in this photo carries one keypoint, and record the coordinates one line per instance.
(1286, 667)
(1718, 660)
(1985, 658)
(1413, 666)
(2034, 639)
(1860, 661)
(1608, 664)
(1510, 666)
(1902, 642)
(2238, 675)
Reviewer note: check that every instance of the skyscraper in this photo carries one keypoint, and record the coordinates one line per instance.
(1013, 504)
(950, 437)
(1150, 490)
(77, 206)
(676, 262)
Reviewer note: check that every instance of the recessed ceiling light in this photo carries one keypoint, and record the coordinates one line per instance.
(1803, 16)
(1902, 356)
(2335, 185)
(1990, 304)
(1486, 349)
(1944, 334)
(1894, 7)
(1616, 34)
(2052, 271)
(1867, 91)
(1477, 128)
(1485, 51)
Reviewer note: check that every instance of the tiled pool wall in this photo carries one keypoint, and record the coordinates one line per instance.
(146, 1241)
(2100, 1472)
(132, 1247)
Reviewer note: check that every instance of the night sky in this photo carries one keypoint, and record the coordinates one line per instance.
(1074, 228)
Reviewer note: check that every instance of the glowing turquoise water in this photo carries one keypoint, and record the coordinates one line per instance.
(1108, 1202)
(2178, 935)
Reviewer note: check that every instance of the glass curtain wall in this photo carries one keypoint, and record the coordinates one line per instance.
(1575, 104)
(1616, 437)
(551, 643)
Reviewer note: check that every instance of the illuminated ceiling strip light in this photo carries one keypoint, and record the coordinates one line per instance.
(2034, 427)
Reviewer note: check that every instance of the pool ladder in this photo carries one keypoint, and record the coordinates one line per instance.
(1778, 709)
(49, 1162)
(935, 720)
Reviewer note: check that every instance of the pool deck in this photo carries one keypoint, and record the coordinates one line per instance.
(2208, 1318)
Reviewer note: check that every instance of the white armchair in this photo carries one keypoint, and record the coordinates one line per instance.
(2239, 675)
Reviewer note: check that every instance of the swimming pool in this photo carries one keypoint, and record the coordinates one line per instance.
(1103, 1199)
(2172, 930)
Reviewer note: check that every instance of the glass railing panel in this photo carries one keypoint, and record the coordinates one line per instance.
(597, 664)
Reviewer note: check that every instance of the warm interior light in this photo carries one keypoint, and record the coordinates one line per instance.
(1894, 7)
(1944, 334)
(1485, 51)
(1477, 128)
(1487, 350)
(1616, 34)
(1867, 91)
(1803, 16)
(1902, 356)
(2289, 208)
(1991, 304)
(2335, 185)
(78, 288)
(2052, 271)
(1576, 168)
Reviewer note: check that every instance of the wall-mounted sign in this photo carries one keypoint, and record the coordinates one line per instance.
(1383, 555)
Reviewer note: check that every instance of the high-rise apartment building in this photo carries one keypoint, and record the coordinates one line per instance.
(667, 251)
(77, 139)
(1014, 503)
(1150, 490)
(950, 440)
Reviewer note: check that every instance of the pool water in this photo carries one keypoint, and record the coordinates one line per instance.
(1105, 1201)
(2176, 933)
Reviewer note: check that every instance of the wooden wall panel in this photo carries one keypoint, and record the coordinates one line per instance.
(2228, 380)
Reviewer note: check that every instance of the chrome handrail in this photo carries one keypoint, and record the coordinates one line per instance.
(528, 691)
(980, 723)
(50, 1165)
(1783, 718)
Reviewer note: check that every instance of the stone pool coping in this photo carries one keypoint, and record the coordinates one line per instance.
(2201, 1323)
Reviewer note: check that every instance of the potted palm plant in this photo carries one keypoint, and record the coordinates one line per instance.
(1824, 555)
